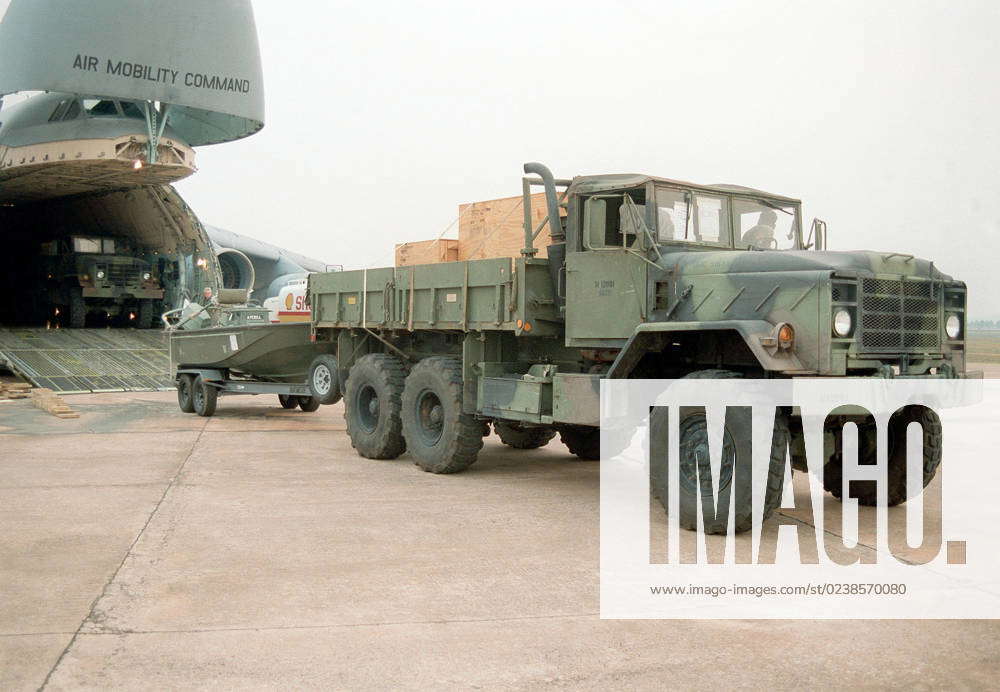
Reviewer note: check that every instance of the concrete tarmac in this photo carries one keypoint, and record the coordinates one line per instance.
(146, 548)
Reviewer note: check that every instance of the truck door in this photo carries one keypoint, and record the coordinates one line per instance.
(606, 282)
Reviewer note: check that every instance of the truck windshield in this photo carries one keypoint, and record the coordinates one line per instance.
(764, 224)
(88, 245)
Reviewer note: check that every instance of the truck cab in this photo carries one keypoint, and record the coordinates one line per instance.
(659, 277)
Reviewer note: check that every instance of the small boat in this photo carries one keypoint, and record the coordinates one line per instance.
(272, 352)
(241, 341)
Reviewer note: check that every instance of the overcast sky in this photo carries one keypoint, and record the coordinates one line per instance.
(383, 116)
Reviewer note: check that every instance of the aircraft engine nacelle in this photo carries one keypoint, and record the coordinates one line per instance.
(237, 269)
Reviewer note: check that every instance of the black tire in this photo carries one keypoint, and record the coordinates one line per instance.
(204, 397)
(734, 472)
(521, 437)
(582, 440)
(77, 309)
(438, 435)
(323, 381)
(185, 386)
(308, 403)
(288, 401)
(866, 492)
(147, 314)
(372, 403)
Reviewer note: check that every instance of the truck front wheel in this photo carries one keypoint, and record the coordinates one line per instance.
(147, 314)
(372, 402)
(735, 482)
(440, 437)
(77, 308)
(522, 437)
(866, 492)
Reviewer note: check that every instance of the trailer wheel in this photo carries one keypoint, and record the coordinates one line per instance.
(323, 381)
(185, 387)
(866, 492)
(519, 436)
(440, 437)
(372, 402)
(581, 440)
(308, 403)
(205, 397)
(288, 401)
(77, 308)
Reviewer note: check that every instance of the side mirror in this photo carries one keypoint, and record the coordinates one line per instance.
(594, 220)
(817, 231)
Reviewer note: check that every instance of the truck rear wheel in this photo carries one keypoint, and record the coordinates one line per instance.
(373, 398)
(522, 437)
(288, 401)
(440, 437)
(185, 387)
(582, 440)
(323, 381)
(204, 397)
(866, 492)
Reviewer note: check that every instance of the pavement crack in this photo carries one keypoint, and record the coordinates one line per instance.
(94, 614)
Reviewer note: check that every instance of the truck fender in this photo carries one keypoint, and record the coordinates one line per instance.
(757, 334)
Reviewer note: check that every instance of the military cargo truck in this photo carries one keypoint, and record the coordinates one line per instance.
(645, 277)
(87, 274)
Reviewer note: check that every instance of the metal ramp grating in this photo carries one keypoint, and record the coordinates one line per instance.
(88, 360)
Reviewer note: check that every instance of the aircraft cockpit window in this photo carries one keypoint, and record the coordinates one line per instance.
(57, 114)
(73, 112)
(131, 110)
(101, 107)
(67, 109)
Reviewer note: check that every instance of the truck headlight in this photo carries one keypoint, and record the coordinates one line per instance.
(842, 323)
(100, 273)
(145, 276)
(953, 326)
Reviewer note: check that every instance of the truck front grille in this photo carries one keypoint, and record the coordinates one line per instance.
(900, 316)
(124, 275)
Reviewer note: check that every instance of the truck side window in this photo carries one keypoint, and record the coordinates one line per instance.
(607, 224)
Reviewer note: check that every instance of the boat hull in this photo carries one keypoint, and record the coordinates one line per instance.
(272, 352)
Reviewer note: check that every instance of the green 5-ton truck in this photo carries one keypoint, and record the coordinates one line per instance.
(645, 278)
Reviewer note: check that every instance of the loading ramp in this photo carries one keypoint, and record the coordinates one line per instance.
(88, 360)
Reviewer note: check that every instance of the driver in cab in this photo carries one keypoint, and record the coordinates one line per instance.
(761, 236)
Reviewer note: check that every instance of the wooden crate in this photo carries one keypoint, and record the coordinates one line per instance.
(427, 252)
(495, 228)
